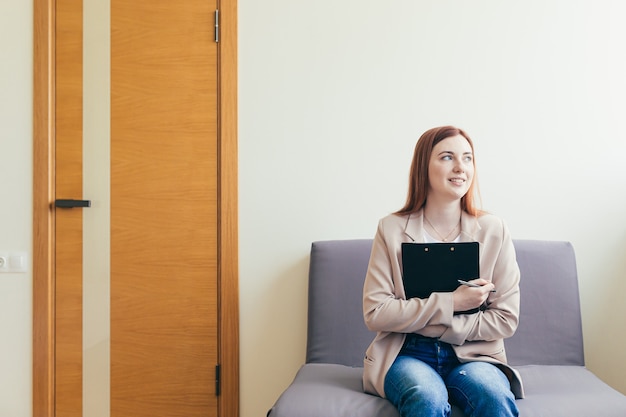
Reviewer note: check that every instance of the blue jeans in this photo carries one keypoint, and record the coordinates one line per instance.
(427, 376)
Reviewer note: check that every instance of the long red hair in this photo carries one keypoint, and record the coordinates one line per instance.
(418, 177)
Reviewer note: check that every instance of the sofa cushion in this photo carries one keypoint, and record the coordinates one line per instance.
(555, 391)
(334, 391)
(567, 391)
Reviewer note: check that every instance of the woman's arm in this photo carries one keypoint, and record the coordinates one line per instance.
(385, 308)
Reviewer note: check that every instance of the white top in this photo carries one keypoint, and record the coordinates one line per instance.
(429, 239)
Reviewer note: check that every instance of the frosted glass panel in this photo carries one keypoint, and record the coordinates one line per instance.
(96, 187)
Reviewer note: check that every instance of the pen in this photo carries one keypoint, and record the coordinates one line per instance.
(469, 284)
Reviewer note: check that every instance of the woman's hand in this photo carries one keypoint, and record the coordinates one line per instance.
(467, 298)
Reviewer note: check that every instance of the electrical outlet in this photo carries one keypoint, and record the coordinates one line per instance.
(13, 262)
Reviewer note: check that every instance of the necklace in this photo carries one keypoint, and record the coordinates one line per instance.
(443, 239)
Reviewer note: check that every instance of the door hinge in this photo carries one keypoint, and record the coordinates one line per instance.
(217, 26)
(218, 381)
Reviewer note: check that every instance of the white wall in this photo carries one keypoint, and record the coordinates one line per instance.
(333, 96)
(16, 55)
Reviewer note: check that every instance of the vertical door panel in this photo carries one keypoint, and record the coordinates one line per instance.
(163, 208)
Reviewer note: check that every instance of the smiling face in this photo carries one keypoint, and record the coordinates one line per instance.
(450, 169)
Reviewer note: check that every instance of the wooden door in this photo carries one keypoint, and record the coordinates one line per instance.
(172, 212)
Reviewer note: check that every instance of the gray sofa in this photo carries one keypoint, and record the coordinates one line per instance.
(547, 348)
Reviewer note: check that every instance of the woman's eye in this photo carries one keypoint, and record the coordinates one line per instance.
(447, 157)
(468, 158)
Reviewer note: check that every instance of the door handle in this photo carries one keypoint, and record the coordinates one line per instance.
(72, 203)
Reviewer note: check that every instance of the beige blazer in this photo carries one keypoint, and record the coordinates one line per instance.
(474, 337)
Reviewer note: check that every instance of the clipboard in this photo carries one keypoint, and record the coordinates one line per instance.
(436, 267)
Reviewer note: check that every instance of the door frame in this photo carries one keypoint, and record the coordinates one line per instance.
(43, 212)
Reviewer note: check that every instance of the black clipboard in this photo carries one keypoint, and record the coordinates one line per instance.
(437, 267)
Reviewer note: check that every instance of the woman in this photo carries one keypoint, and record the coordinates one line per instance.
(425, 357)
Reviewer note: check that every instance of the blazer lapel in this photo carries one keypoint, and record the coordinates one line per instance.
(414, 228)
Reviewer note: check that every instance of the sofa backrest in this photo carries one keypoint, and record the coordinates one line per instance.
(549, 332)
(550, 328)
